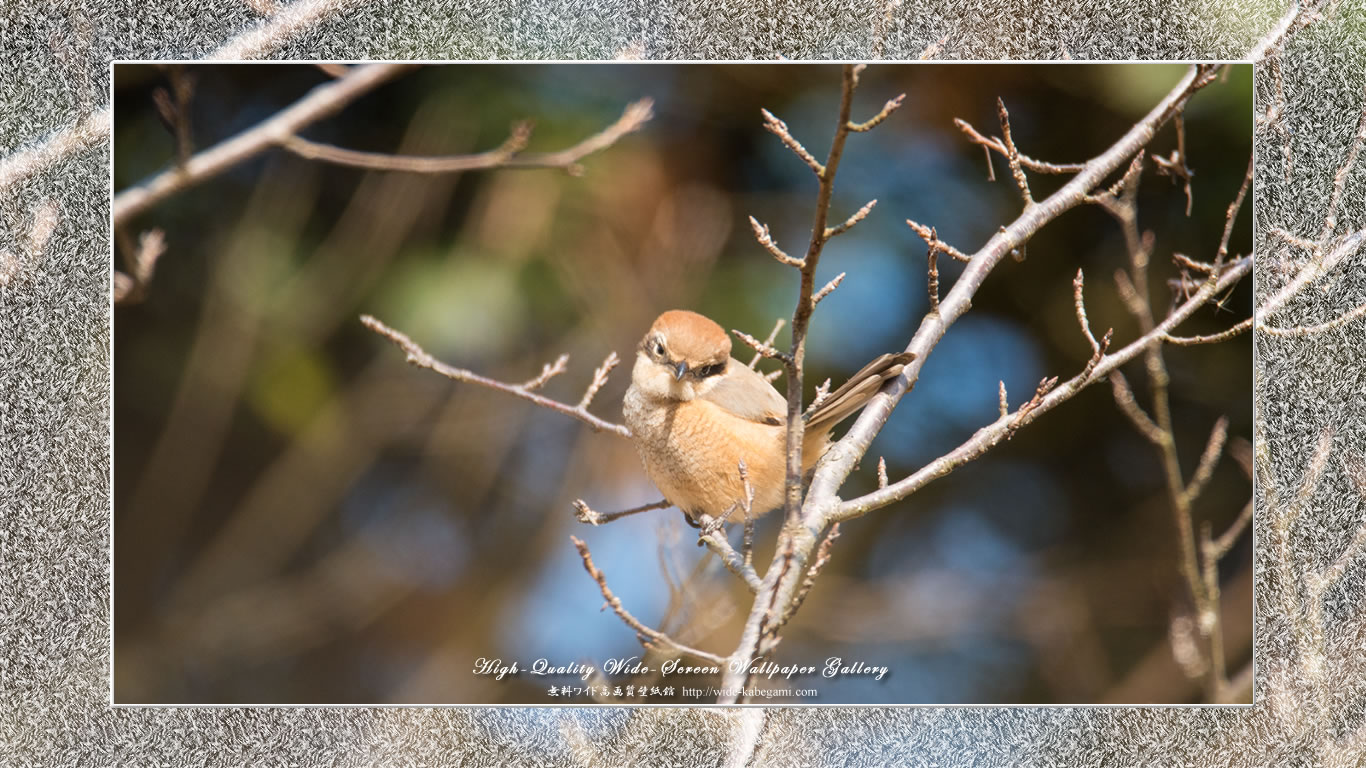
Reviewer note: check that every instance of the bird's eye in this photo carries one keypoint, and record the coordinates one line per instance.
(659, 348)
(710, 370)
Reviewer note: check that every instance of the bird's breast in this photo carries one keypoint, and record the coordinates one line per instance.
(692, 451)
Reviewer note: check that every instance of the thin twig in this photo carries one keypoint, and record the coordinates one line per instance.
(779, 128)
(1205, 469)
(1078, 283)
(932, 275)
(420, 358)
(1124, 397)
(931, 237)
(1232, 214)
(131, 287)
(848, 223)
(507, 156)
(1013, 154)
(600, 375)
(822, 506)
(768, 342)
(764, 349)
(588, 516)
(323, 101)
(822, 557)
(1228, 538)
(828, 288)
(991, 435)
(738, 564)
(1187, 341)
(660, 640)
(1175, 165)
(891, 106)
(548, 372)
(991, 144)
(765, 239)
(822, 393)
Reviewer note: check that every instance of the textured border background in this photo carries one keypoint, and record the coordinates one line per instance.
(54, 380)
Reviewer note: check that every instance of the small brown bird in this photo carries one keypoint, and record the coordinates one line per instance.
(695, 412)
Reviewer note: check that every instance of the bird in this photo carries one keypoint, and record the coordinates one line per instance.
(695, 413)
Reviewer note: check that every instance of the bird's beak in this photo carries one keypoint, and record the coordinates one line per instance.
(679, 370)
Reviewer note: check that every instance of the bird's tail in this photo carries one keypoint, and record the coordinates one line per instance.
(856, 392)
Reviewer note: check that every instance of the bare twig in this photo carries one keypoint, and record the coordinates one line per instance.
(891, 106)
(419, 357)
(768, 342)
(1047, 398)
(651, 638)
(858, 216)
(1205, 469)
(548, 372)
(507, 156)
(173, 106)
(588, 516)
(1175, 165)
(1232, 214)
(599, 378)
(931, 237)
(1124, 397)
(762, 348)
(745, 504)
(765, 239)
(131, 287)
(1013, 154)
(1080, 303)
(1186, 341)
(332, 69)
(1228, 538)
(822, 393)
(991, 144)
(932, 272)
(324, 100)
(822, 557)
(822, 505)
(1203, 267)
(828, 288)
(779, 128)
(736, 563)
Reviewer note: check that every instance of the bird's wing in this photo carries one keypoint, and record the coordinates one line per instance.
(747, 394)
(858, 390)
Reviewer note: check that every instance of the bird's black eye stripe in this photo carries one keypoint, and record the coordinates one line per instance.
(710, 370)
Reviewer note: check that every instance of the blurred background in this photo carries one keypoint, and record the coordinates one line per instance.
(302, 517)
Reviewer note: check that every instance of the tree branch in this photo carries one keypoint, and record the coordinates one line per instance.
(507, 156)
(660, 640)
(419, 357)
(822, 506)
(321, 102)
(996, 432)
